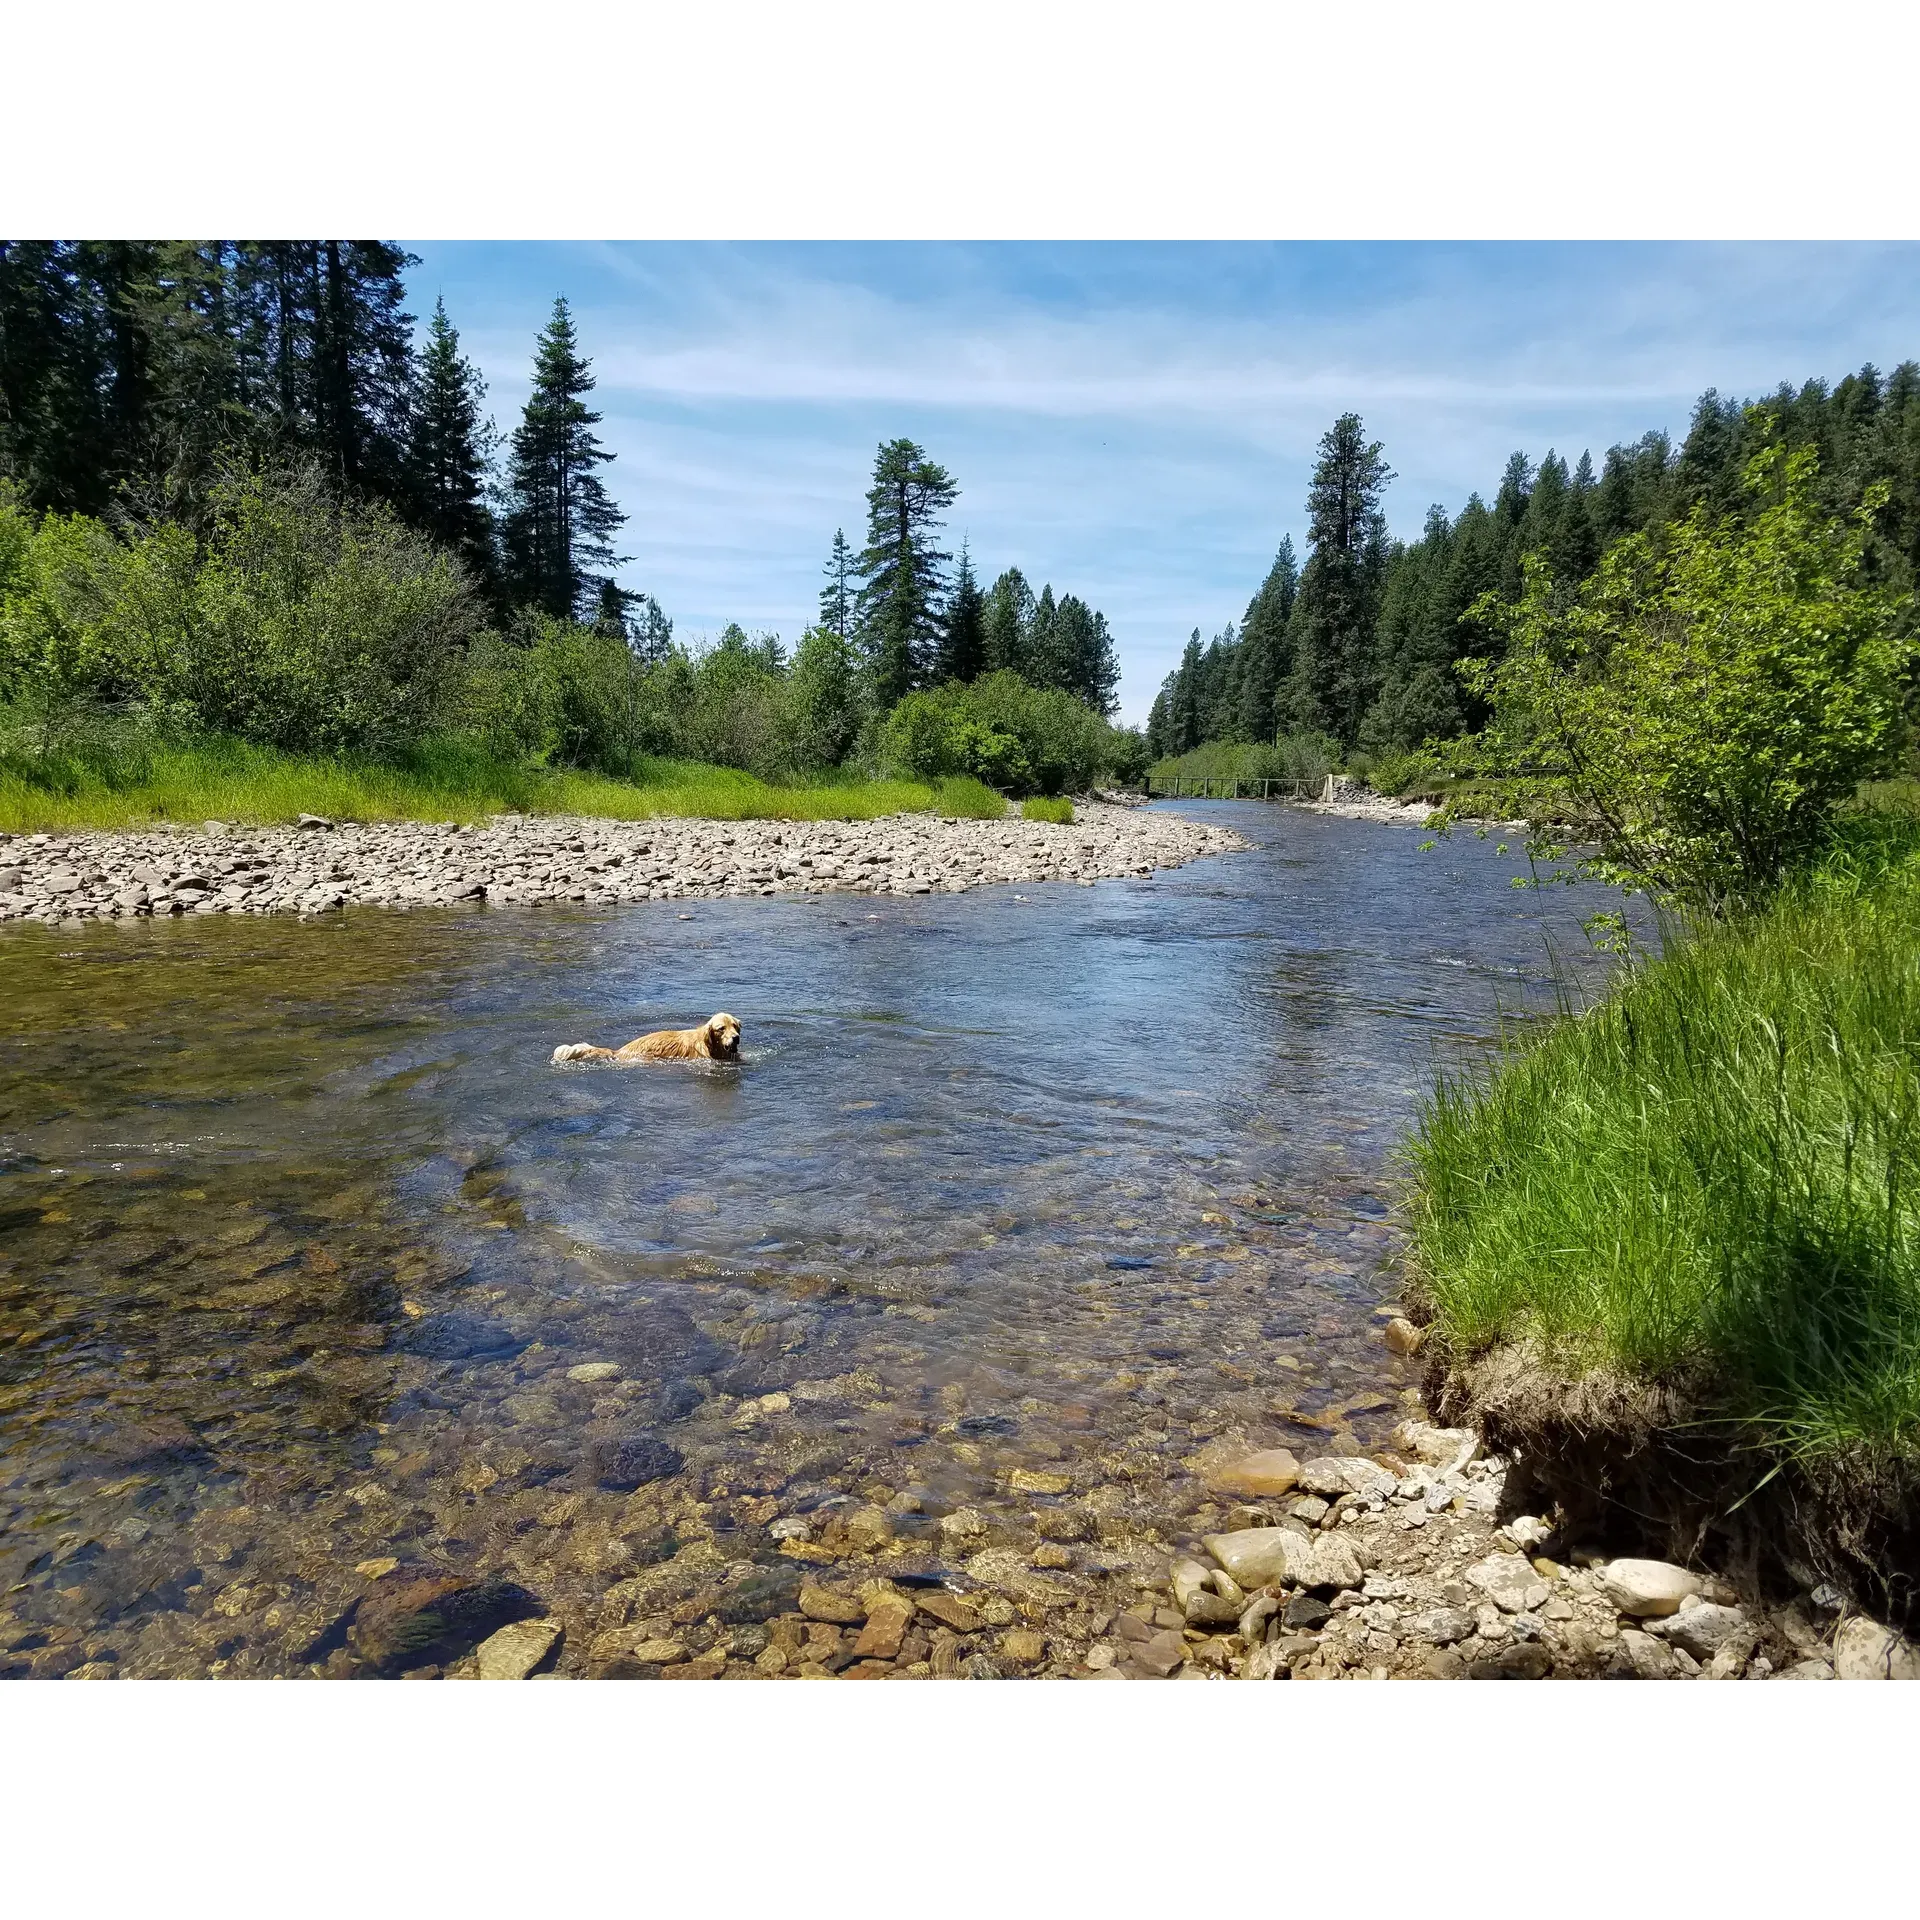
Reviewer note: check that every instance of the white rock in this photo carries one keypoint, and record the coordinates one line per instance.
(1188, 1578)
(1865, 1650)
(1528, 1532)
(1704, 1629)
(1440, 1626)
(1508, 1581)
(1449, 1448)
(1260, 1556)
(1647, 1587)
(514, 1652)
(1332, 1476)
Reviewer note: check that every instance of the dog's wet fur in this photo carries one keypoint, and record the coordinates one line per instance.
(716, 1039)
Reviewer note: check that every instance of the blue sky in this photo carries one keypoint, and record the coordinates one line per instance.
(1132, 422)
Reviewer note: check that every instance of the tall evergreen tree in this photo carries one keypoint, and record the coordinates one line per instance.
(963, 638)
(560, 521)
(450, 452)
(1263, 640)
(324, 356)
(1007, 621)
(903, 571)
(1338, 602)
(836, 597)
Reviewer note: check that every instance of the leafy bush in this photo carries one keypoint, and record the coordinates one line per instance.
(961, 797)
(1394, 774)
(1125, 756)
(1710, 698)
(999, 730)
(1058, 812)
(304, 624)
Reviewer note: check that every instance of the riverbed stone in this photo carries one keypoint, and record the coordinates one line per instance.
(1647, 1587)
(888, 1619)
(1702, 1629)
(1259, 1556)
(831, 1604)
(950, 1611)
(1258, 1476)
(1508, 1581)
(1863, 1649)
(514, 1652)
(1332, 1475)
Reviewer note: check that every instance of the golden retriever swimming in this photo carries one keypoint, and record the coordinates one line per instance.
(718, 1039)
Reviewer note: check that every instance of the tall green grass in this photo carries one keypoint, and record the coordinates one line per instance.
(1711, 1177)
(961, 797)
(1058, 812)
(144, 783)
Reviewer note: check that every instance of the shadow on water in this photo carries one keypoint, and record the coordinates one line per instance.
(303, 1245)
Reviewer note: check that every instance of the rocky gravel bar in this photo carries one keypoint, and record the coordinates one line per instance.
(1414, 1563)
(514, 860)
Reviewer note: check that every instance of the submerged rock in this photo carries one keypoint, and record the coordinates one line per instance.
(464, 1336)
(634, 1460)
(516, 1651)
(425, 1618)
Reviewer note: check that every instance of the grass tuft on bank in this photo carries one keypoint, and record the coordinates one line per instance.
(1710, 1179)
(160, 782)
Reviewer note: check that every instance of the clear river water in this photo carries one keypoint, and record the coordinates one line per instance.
(303, 1243)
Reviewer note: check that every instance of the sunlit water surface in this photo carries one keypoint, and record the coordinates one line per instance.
(300, 1234)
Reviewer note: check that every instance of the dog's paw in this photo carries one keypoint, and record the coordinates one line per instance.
(578, 1051)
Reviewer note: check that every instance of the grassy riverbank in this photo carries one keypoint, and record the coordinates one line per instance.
(1707, 1186)
(439, 780)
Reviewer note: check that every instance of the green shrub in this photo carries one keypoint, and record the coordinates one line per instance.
(1059, 812)
(1713, 695)
(1394, 774)
(999, 730)
(960, 797)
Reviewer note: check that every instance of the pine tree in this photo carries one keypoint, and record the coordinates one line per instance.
(560, 522)
(1263, 641)
(1573, 550)
(836, 597)
(649, 631)
(1043, 666)
(963, 639)
(1007, 621)
(450, 452)
(324, 362)
(1338, 603)
(903, 572)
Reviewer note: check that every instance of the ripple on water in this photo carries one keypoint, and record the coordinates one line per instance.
(331, 1317)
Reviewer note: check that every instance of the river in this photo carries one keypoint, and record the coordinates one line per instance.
(302, 1241)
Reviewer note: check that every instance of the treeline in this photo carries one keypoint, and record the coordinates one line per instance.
(236, 493)
(918, 626)
(136, 376)
(1364, 644)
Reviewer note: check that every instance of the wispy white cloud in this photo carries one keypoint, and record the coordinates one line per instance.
(1135, 422)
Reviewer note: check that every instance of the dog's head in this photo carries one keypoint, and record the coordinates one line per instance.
(723, 1037)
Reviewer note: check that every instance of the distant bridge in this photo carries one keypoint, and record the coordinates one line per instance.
(1179, 786)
